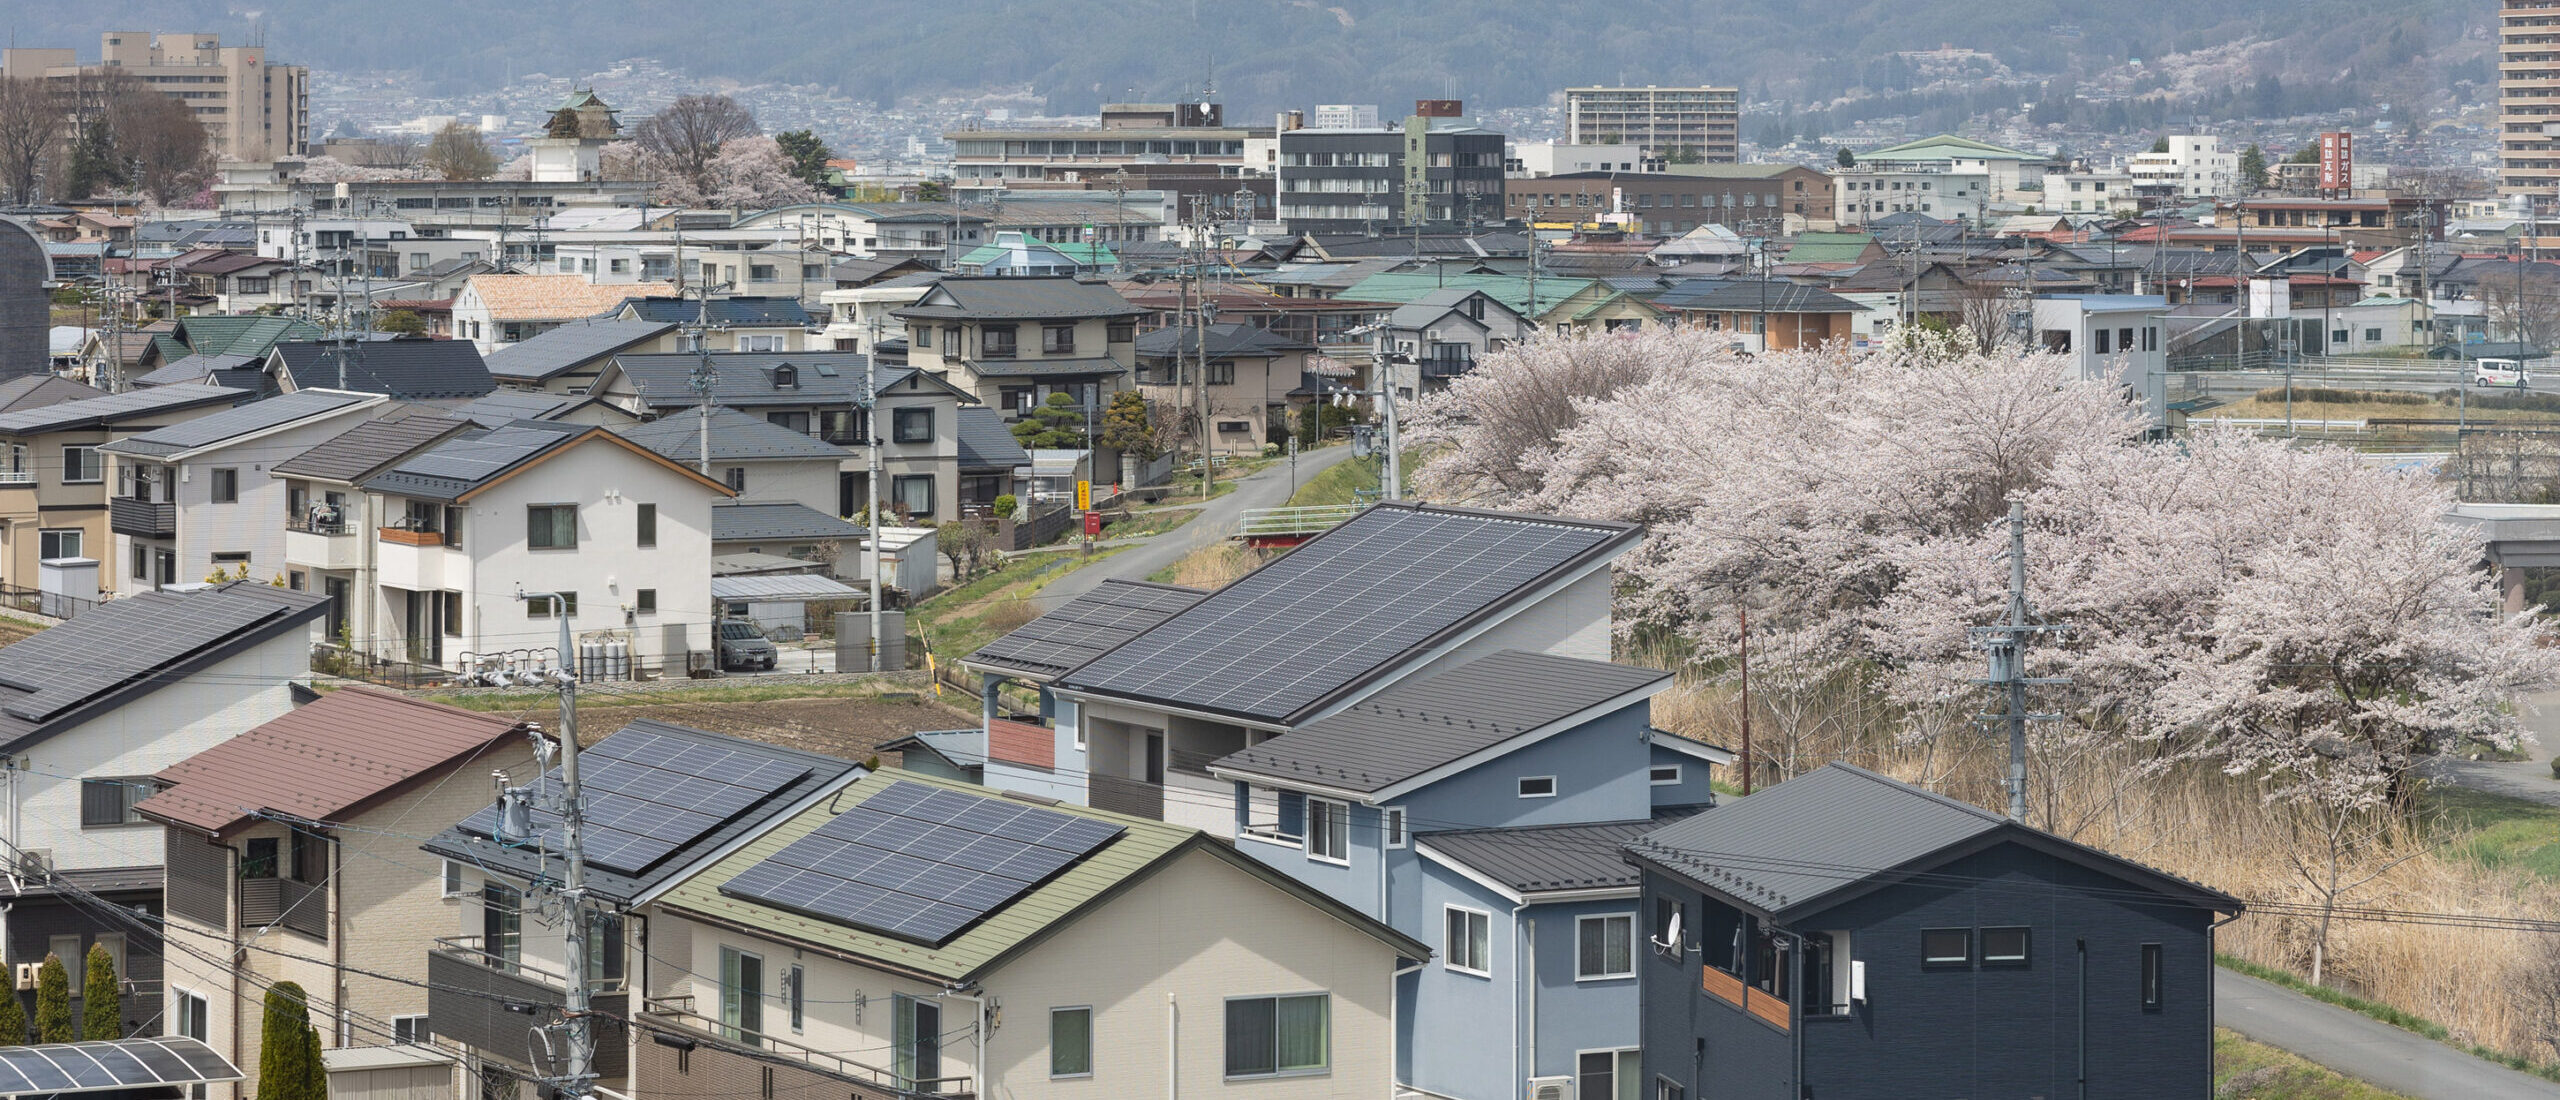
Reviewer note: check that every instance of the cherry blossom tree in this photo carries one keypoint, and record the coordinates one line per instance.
(327, 169)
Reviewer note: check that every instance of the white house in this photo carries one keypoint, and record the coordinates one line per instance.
(202, 496)
(2102, 332)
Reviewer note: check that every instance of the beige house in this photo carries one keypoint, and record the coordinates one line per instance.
(1155, 962)
(1251, 377)
(347, 907)
(1012, 341)
(53, 478)
(494, 311)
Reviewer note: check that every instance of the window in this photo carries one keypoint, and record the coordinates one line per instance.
(452, 880)
(1537, 786)
(795, 420)
(551, 526)
(648, 524)
(1269, 1036)
(644, 602)
(109, 802)
(760, 273)
(411, 1030)
(1942, 947)
(80, 466)
(307, 863)
(1663, 775)
(1121, 332)
(539, 608)
(1222, 374)
(795, 983)
(996, 342)
(1665, 1088)
(736, 476)
(1391, 826)
(915, 1037)
(226, 485)
(452, 614)
(2102, 342)
(1604, 947)
(741, 994)
(2373, 336)
(1466, 942)
(914, 493)
(2004, 947)
(60, 542)
(911, 425)
(1057, 339)
(258, 858)
(2150, 976)
(1328, 831)
(1599, 1073)
(1071, 1042)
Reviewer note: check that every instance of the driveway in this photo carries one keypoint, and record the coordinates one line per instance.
(1269, 487)
(2529, 778)
(2363, 1047)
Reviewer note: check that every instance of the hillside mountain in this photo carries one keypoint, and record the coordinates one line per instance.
(1271, 54)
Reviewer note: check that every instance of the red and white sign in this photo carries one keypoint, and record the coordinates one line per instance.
(2337, 160)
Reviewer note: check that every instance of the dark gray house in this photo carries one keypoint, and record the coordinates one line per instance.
(1360, 181)
(1845, 936)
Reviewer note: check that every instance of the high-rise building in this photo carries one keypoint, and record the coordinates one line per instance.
(2528, 97)
(1700, 125)
(251, 110)
(1436, 168)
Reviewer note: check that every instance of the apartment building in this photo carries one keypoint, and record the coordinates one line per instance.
(985, 161)
(2528, 96)
(251, 110)
(2193, 166)
(1669, 203)
(1703, 123)
(1430, 170)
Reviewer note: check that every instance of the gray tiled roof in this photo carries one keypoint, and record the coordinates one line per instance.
(1226, 341)
(735, 436)
(557, 351)
(504, 407)
(127, 647)
(1348, 606)
(746, 521)
(734, 312)
(222, 427)
(1541, 858)
(744, 379)
(467, 461)
(1819, 838)
(193, 368)
(360, 451)
(1074, 632)
(985, 442)
(1430, 721)
(1036, 368)
(1746, 295)
(409, 369)
(96, 411)
(35, 391)
(1001, 297)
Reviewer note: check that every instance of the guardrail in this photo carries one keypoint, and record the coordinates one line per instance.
(1307, 520)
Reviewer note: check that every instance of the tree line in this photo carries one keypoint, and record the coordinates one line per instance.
(70, 138)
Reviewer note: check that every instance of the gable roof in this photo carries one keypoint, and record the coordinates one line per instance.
(747, 520)
(1284, 641)
(557, 351)
(125, 648)
(240, 334)
(460, 467)
(555, 297)
(735, 437)
(1229, 340)
(1423, 725)
(1541, 859)
(1829, 248)
(1436, 304)
(736, 312)
(230, 425)
(820, 774)
(35, 391)
(499, 408)
(985, 442)
(323, 760)
(1947, 147)
(244, 372)
(94, 412)
(1840, 831)
(1141, 848)
(364, 450)
(408, 369)
(1752, 295)
(992, 297)
(748, 379)
(1084, 627)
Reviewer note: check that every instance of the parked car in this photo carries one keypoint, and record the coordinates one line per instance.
(743, 647)
(2499, 372)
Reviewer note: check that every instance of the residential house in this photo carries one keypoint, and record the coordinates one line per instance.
(294, 838)
(2103, 334)
(978, 334)
(1605, 305)
(1250, 373)
(406, 369)
(36, 391)
(1846, 936)
(788, 529)
(202, 498)
(90, 711)
(1481, 807)
(927, 232)
(1015, 253)
(329, 520)
(992, 464)
(860, 318)
(567, 359)
(53, 489)
(1794, 315)
(818, 394)
(505, 406)
(712, 792)
(1441, 334)
(535, 506)
(740, 323)
(1275, 651)
(757, 458)
(1077, 953)
(494, 311)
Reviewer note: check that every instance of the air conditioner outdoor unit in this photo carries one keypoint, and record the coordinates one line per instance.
(27, 975)
(35, 862)
(1551, 1088)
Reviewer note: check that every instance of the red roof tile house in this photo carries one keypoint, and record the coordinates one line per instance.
(295, 846)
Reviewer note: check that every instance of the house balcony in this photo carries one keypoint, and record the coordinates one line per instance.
(142, 519)
(405, 561)
(685, 1041)
(322, 545)
(300, 906)
(487, 1003)
(1445, 366)
(17, 478)
(1134, 797)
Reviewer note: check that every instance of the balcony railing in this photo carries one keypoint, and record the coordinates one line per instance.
(300, 906)
(407, 537)
(17, 477)
(675, 1017)
(488, 1007)
(142, 519)
(313, 526)
(1445, 366)
(1134, 797)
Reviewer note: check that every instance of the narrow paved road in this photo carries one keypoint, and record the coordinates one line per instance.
(2529, 778)
(2363, 1047)
(1267, 488)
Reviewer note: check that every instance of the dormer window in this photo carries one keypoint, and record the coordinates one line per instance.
(786, 377)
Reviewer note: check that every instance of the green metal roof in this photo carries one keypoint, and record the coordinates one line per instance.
(1828, 248)
(1402, 287)
(242, 334)
(1947, 147)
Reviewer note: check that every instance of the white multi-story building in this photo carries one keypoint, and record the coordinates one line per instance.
(2085, 192)
(2194, 166)
(1865, 194)
(1539, 159)
(1343, 116)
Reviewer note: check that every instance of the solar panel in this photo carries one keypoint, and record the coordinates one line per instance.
(117, 641)
(920, 862)
(119, 1064)
(1112, 613)
(650, 793)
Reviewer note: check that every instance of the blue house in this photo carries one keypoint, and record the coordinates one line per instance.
(1845, 936)
(1482, 808)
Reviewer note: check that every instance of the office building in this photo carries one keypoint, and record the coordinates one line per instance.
(1433, 169)
(251, 110)
(1154, 135)
(1701, 124)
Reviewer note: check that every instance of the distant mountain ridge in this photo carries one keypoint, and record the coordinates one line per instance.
(1267, 55)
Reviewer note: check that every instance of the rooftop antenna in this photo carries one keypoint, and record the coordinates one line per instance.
(2005, 645)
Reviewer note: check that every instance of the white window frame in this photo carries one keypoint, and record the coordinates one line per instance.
(1653, 775)
(1393, 826)
(1316, 831)
(1449, 958)
(1616, 1065)
(421, 1030)
(1528, 779)
(452, 884)
(1581, 923)
(1089, 1044)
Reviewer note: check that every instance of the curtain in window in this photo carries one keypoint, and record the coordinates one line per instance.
(552, 527)
(1302, 1032)
(1251, 1045)
(915, 495)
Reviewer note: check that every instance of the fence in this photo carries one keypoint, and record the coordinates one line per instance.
(1019, 533)
(336, 660)
(51, 605)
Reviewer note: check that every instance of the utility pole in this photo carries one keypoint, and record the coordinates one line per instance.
(871, 507)
(1743, 609)
(2240, 279)
(2005, 645)
(576, 1018)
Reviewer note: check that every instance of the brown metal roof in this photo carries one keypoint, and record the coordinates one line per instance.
(325, 760)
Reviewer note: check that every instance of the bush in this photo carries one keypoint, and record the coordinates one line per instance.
(101, 1007)
(288, 1049)
(2319, 396)
(53, 1003)
(1006, 506)
(13, 1020)
(2508, 399)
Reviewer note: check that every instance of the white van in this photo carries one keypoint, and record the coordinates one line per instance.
(2499, 372)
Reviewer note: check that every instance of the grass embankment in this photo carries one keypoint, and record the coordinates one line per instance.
(956, 621)
(2497, 832)
(2316, 403)
(1338, 485)
(2247, 1070)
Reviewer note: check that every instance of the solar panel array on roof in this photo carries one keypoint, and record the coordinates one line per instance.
(62, 667)
(255, 416)
(649, 794)
(1281, 638)
(1113, 612)
(471, 459)
(921, 863)
(120, 1064)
